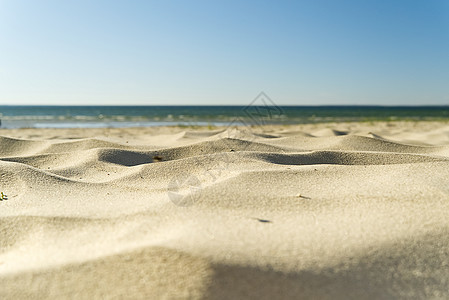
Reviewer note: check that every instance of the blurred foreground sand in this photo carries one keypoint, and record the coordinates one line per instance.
(323, 211)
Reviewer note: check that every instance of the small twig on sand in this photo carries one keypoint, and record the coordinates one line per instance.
(3, 196)
(262, 220)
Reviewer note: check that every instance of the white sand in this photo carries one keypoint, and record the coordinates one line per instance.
(327, 211)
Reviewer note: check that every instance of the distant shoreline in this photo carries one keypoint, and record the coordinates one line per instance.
(150, 116)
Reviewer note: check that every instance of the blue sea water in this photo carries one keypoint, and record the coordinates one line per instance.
(136, 116)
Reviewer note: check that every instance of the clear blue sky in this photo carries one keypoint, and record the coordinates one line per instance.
(224, 52)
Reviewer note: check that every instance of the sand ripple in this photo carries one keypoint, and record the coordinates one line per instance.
(344, 212)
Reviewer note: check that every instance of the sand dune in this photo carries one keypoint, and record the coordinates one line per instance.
(322, 211)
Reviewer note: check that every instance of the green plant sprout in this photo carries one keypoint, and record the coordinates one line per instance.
(3, 196)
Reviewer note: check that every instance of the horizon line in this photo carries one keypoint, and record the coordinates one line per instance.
(217, 105)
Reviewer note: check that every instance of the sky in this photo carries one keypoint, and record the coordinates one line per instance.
(316, 52)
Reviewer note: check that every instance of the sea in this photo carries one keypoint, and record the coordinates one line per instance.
(144, 116)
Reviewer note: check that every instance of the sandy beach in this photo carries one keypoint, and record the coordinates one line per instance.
(317, 211)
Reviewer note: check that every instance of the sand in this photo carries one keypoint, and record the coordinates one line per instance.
(323, 211)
